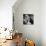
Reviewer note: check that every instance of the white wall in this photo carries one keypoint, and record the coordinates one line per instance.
(29, 31)
(6, 13)
(43, 22)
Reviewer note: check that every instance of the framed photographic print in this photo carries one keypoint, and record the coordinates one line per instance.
(28, 19)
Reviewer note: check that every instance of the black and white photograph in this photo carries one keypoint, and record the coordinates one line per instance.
(28, 19)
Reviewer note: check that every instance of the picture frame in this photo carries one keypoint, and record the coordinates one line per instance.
(28, 19)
